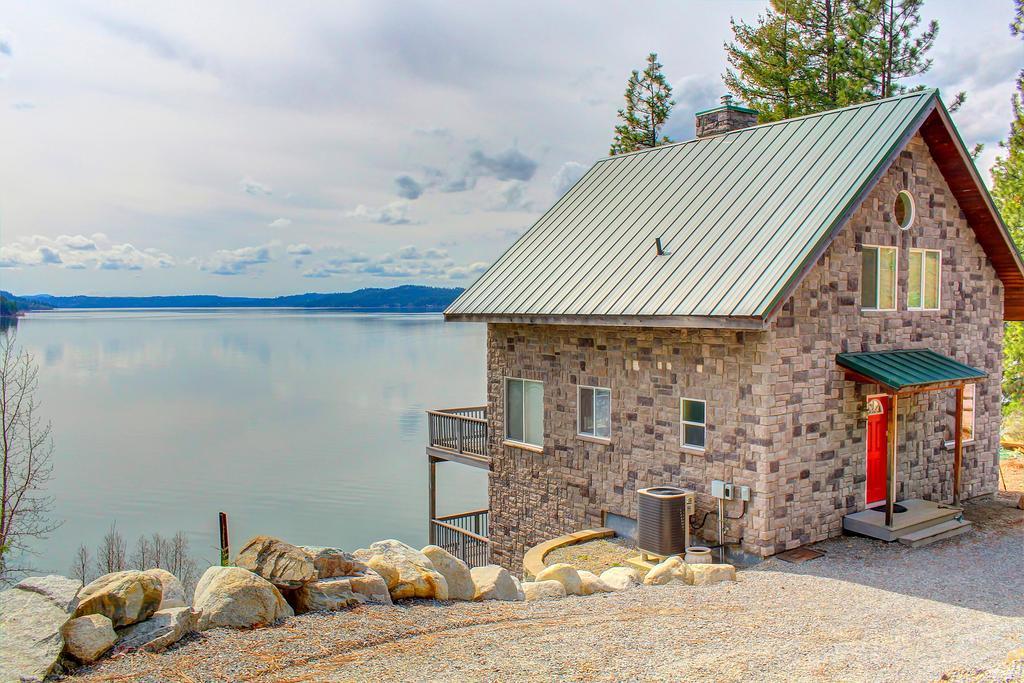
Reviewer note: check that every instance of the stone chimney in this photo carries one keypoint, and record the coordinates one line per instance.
(724, 118)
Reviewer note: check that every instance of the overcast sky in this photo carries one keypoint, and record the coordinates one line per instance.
(282, 147)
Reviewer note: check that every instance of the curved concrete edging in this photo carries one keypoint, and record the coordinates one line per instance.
(533, 560)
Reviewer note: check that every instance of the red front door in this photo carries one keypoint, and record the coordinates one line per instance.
(878, 443)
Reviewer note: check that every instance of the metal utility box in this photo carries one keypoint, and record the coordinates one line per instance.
(663, 520)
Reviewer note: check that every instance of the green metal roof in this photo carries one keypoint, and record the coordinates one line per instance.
(741, 214)
(908, 368)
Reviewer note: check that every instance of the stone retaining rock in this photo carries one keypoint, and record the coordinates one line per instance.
(370, 587)
(325, 595)
(236, 597)
(32, 615)
(171, 591)
(564, 574)
(87, 638)
(123, 597)
(621, 578)
(280, 563)
(702, 574)
(331, 562)
(495, 583)
(590, 583)
(156, 634)
(672, 570)
(455, 572)
(408, 572)
(543, 590)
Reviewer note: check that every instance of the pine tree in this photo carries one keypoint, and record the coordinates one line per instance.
(887, 47)
(648, 105)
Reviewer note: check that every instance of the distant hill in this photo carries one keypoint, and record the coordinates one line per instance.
(11, 305)
(408, 298)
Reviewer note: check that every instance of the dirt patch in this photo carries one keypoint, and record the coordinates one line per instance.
(594, 556)
(1011, 470)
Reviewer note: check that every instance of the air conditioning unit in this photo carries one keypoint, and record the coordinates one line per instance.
(663, 520)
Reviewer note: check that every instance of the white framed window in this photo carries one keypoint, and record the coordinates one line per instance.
(693, 423)
(524, 411)
(594, 411)
(878, 278)
(967, 426)
(924, 279)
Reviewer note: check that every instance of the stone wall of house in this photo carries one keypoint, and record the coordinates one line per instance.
(782, 418)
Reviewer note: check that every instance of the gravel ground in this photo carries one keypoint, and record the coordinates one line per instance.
(594, 556)
(867, 611)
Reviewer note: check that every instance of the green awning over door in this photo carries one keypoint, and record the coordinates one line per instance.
(908, 368)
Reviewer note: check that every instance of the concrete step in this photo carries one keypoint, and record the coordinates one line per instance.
(936, 532)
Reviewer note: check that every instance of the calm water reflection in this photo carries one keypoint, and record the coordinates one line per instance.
(301, 424)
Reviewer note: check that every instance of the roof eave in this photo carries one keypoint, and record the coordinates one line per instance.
(675, 321)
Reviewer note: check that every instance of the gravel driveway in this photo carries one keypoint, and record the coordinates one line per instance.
(867, 611)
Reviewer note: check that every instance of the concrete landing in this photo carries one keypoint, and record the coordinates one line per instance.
(918, 515)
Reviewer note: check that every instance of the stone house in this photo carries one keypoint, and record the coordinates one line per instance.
(810, 308)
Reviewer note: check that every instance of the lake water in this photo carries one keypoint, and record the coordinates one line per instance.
(306, 425)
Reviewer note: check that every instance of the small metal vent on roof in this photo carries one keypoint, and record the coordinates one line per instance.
(662, 249)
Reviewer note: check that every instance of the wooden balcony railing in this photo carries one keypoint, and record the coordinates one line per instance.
(464, 535)
(460, 430)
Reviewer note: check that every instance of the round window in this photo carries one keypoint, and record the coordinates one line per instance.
(903, 210)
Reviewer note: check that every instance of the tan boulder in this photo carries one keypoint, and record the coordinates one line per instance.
(591, 583)
(703, 574)
(160, 631)
(621, 578)
(408, 572)
(236, 597)
(325, 595)
(495, 583)
(123, 597)
(172, 593)
(564, 574)
(280, 563)
(32, 615)
(331, 562)
(455, 572)
(543, 590)
(87, 638)
(672, 570)
(370, 587)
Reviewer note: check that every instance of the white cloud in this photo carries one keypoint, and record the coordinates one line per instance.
(236, 261)
(299, 250)
(279, 223)
(473, 270)
(78, 252)
(567, 175)
(395, 213)
(408, 262)
(255, 188)
(510, 196)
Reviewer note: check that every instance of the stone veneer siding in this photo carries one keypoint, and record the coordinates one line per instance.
(781, 416)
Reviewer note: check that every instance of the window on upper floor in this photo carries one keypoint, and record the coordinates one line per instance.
(924, 279)
(968, 420)
(693, 419)
(524, 411)
(595, 412)
(878, 278)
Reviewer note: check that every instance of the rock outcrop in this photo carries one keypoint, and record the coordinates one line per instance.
(672, 570)
(543, 590)
(280, 563)
(32, 616)
(495, 583)
(621, 578)
(123, 597)
(237, 597)
(455, 572)
(87, 638)
(172, 593)
(590, 583)
(408, 572)
(156, 634)
(564, 574)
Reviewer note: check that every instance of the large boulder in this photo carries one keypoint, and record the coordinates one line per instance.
(87, 638)
(280, 563)
(408, 572)
(32, 615)
(702, 574)
(564, 574)
(672, 570)
(172, 593)
(325, 595)
(331, 562)
(455, 572)
(236, 597)
(542, 590)
(370, 587)
(156, 634)
(591, 583)
(495, 583)
(621, 578)
(123, 597)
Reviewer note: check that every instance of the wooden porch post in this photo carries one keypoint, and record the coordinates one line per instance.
(890, 464)
(958, 443)
(432, 495)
